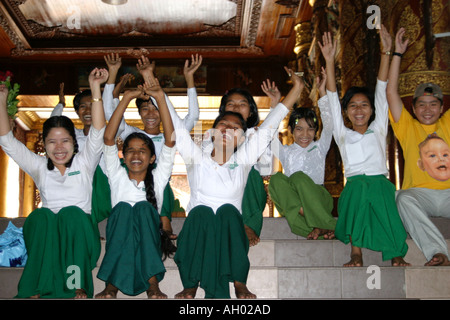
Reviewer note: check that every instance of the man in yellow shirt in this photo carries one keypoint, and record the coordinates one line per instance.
(421, 196)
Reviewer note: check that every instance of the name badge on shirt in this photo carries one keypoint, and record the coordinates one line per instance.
(233, 165)
(157, 139)
(312, 148)
(73, 173)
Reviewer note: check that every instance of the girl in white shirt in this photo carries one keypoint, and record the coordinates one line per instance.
(132, 262)
(213, 245)
(299, 194)
(368, 215)
(61, 238)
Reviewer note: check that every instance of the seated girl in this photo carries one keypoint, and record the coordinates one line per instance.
(60, 237)
(132, 262)
(213, 245)
(299, 194)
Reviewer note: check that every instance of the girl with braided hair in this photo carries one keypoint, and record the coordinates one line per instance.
(133, 259)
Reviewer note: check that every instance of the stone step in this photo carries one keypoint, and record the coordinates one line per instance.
(304, 283)
(273, 228)
(286, 266)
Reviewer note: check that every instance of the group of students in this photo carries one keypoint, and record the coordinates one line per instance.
(82, 180)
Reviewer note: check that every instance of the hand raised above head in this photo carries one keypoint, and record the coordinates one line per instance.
(328, 46)
(98, 76)
(195, 63)
(113, 61)
(400, 43)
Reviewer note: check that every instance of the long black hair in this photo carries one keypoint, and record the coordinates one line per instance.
(60, 122)
(167, 247)
(253, 118)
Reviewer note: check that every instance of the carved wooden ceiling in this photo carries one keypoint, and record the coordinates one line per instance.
(49, 31)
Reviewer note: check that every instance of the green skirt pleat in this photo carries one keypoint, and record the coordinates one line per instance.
(289, 194)
(101, 196)
(254, 201)
(213, 250)
(63, 249)
(368, 216)
(168, 202)
(133, 248)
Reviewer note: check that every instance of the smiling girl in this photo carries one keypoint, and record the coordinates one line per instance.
(213, 244)
(368, 215)
(132, 262)
(61, 234)
(298, 193)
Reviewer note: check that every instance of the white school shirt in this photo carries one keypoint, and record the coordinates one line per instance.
(189, 121)
(264, 165)
(213, 185)
(310, 160)
(128, 190)
(79, 133)
(362, 153)
(57, 191)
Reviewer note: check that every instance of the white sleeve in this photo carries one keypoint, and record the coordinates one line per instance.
(92, 150)
(58, 110)
(193, 110)
(108, 100)
(327, 125)
(25, 158)
(381, 107)
(339, 129)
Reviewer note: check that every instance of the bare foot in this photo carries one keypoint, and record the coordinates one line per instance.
(253, 239)
(242, 291)
(186, 294)
(355, 258)
(300, 212)
(36, 296)
(329, 235)
(355, 261)
(153, 291)
(400, 262)
(80, 294)
(439, 259)
(110, 292)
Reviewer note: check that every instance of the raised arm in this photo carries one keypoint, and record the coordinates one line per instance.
(190, 68)
(271, 90)
(154, 89)
(4, 119)
(393, 97)
(296, 90)
(114, 62)
(328, 48)
(109, 137)
(96, 78)
(386, 44)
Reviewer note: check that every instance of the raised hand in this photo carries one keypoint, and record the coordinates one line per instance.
(400, 43)
(196, 62)
(3, 93)
(271, 90)
(113, 61)
(189, 69)
(98, 76)
(328, 46)
(62, 98)
(153, 88)
(321, 82)
(296, 80)
(146, 68)
(386, 40)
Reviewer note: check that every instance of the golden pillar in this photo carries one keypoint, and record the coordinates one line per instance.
(4, 160)
(29, 188)
(427, 58)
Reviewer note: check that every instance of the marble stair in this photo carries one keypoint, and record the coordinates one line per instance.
(285, 266)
